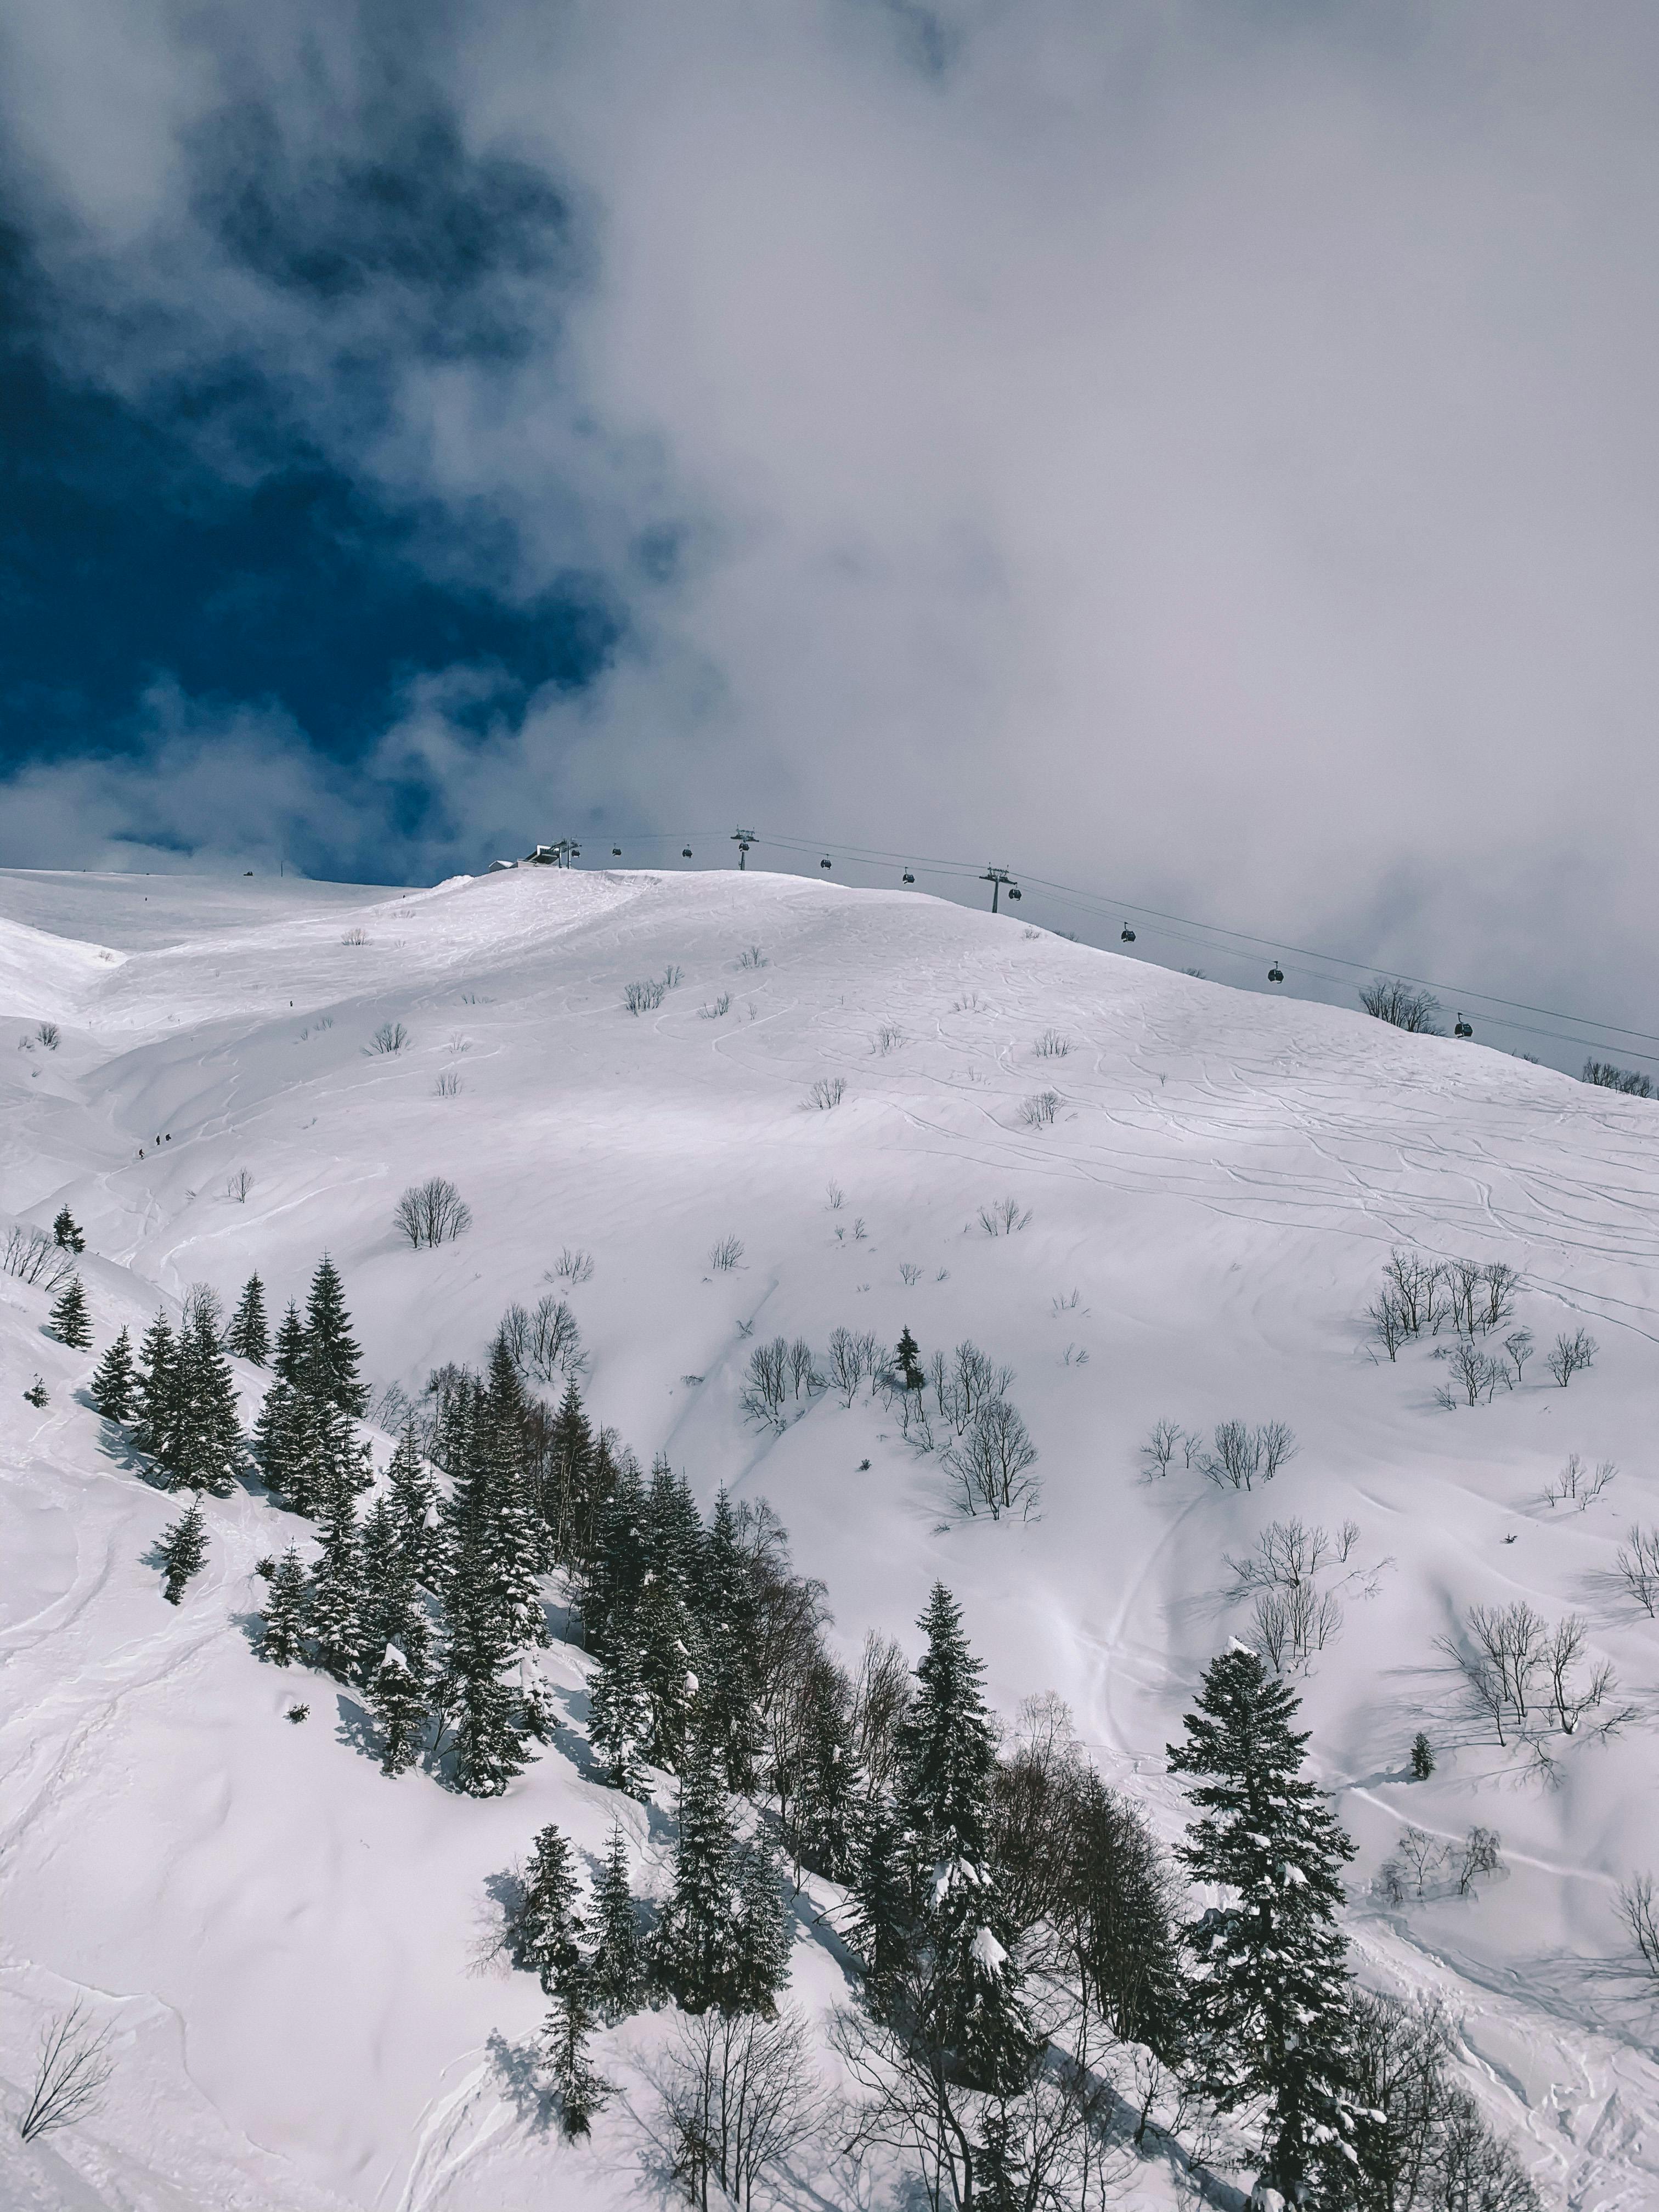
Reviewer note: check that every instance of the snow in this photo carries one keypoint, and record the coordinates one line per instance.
(295, 1949)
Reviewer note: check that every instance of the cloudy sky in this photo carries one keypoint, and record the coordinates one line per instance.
(1200, 454)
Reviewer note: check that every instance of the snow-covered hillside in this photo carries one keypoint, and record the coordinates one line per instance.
(295, 1948)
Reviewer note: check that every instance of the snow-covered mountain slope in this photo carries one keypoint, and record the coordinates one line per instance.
(290, 1943)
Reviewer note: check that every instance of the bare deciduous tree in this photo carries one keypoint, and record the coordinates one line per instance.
(766, 1389)
(239, 1185)
(34, 1257)
(644, 998)
(1638, 1563)
(390, 1039)
(1570, 1354)
(1639, 1911)
(725, 1256)
(1242, 1455)
(1005, 1219)
(881, 1699)
(991, 1462)
(1161, 1447)
(432, 1213)
(827, 1093)
(740, 2097)
(1038, 1111)
(574, 1267)
(1477, 1857)
(1407, 1006)
(70, 2074)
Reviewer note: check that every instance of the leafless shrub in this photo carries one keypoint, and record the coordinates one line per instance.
(34, 1257)
(804, 1375)
(827, 1091)
(835, 1197)
(390, 1039)
(1425, 1855)
(881, 1699)
(1405, 1005)
(991, 1461)
(850, 1358)
(1577, 1486)
(1504, 1653)
(1609, 1077)
(968, 1381)
(1415, 1282)
(1051, 1045)
(725, 1255)
(1640, 1914)
(432, 1213)
(889, 1038)
(1038, 1111)
(672, 977)
(1387, 1322)
(239, 1185)
(203, 1311)
(1477, 1857)
(448, 1085)
(1474, 1372)
(49, 1036)
(765, 1392)
(644, 998)
(458, 1045)
(574, 1267)
(71, 2073)
(1493, 1303)
(752, 957)
(354, 936)
(545, 1342)
(1161, 1447)
(1570, 1354)
(1244, 1456)
(716, 1007)
(1638, 1563)
(1289, 1627)
(1518, 1347)
(1005, 1219)
(909, 1274)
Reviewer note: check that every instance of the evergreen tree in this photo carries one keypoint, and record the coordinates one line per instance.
(397, 1697)
(881, 1932)
(114, 1387)
(824, 1806)
(248, 1336)
(579, 2090)
(1422, 1757)
(550, 1924)
(761, 1963)
(960, 1938)
(66, 1233)
(157, 1391)
(479, 1645)
(616, 1572)
(287, 1357)
(619, 1714)
(69, 1321)
(331, 1355)
(667, 1639)
(729, 1684)
(336, 1592)
(182, 1549)
(204, 1448)
(615, 1970)
(696, 1949)
(570, 1468)
(1271, 1987)
(413, 1498)
(908, 1359)
(284, 1436)
(284, 1639)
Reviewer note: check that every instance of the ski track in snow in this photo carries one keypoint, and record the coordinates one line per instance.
(290, 1943)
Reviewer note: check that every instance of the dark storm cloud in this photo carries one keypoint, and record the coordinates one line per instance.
(1207, 452)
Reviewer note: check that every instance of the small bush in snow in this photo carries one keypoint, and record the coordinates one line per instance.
(888, 1038)
(724, 1256)
(1609, 1077)
(48, 1036)
(644, 998)
(1572, 1354)
(990, 1462)
(448, 1085)
(1039, 1111)
(574, 1267)
(752, 957)
(827, 1093)
(390, 1039)
(354, 937)
(1051, 1045)
(712, 1012)
(1005, 1219)
(433, 1212)
(1244, 1456)
(240, 1182)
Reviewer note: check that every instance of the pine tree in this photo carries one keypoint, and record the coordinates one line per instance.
(570, 1467)
(204, 1449)
(332, 1356)
(617, 1968)
(113, 1385)
(69, 1321)
(881, 1932)
(579, 2090)
(697, 1936)
(66, 1233)
(908, 1359)
(336, 1593)
(479, 1646)
(287, 1357)
(616, 1572)
(182, 1549)
(729, 1686)
(669, 1659)
(550, 1924)
(413, 1498)
(283, 1435)
(284, 1639)
(824, 1806)
(1422, 1757)
(1270, 1993)
(760, 1965)
(397, 1697)
(961, 1934)
(157, 1391)
(248, 1336)
(619, 1714)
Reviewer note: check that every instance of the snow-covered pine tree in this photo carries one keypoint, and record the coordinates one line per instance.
(332, 1356)
(670, 1662)
(248, 1336)
(907, 1359)
(581, 2091)
(112, 1385)
(728, 1670)
(66, 1233)
(549, 1924)
(881, 1932)
(825, 1803)
(69, 1320)
(1270, 1993)
(157, 1387)
(761, 1963)
(570, 1467)
(182, 1550)
(397, 1698)
(413, 1498)
(967, 1985)
(287, 1357)
(204, 1450)
(615, 1572)
(619, 1712)
(284, 1637)
(697, 1943)
(480, 1645)
(283, 1433)
(617, 1968)
(336, 1592)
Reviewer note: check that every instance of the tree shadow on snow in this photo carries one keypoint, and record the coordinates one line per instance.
(515, 2066)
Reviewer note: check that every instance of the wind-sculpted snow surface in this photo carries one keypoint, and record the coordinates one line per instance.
(298, 1956)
